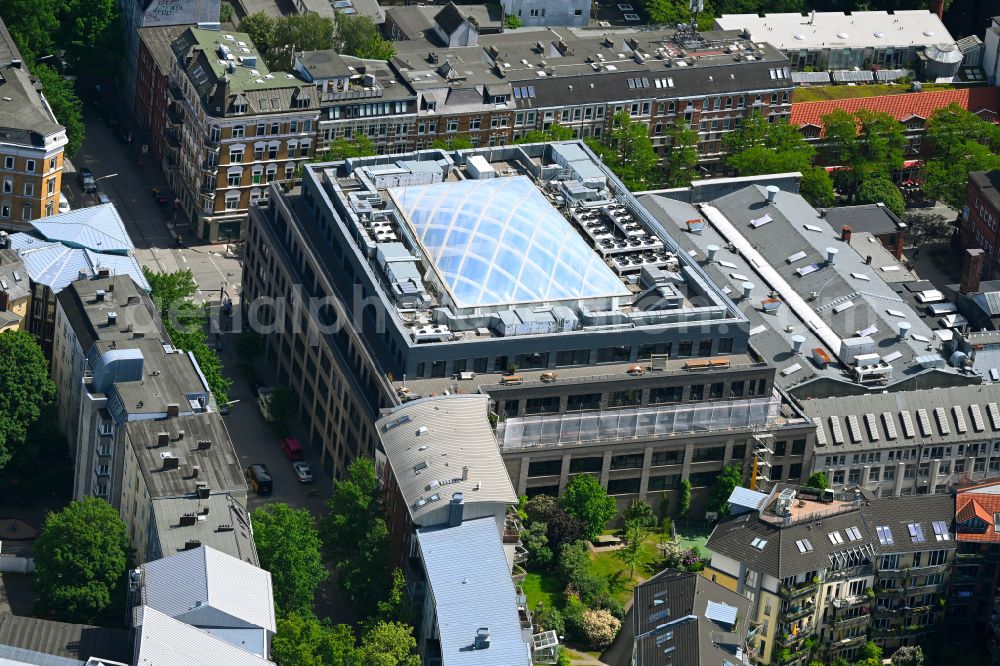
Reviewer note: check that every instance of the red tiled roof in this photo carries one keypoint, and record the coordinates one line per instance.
(900, 107)
(977, 505)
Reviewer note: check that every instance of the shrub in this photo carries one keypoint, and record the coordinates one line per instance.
(550, 619)
(600, 628)
(591, 587)
(609, 603)
(572, 613)
(573, 558)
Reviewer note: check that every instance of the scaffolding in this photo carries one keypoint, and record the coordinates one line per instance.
(763, 454)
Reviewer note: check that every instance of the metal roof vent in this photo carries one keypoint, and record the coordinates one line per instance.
(482, 638)
(422, 430)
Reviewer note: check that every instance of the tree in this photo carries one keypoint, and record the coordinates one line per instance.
(225, 12)
(81, 558)
(512, 21)
(341, 149)
(600, 628)
(730, 477)
(925, 227)
(298, 32)
(358, 36)
(871, 655)
(562, 528)
(65, 105)
(388, 644)
(456, 143)
(640, 510)
(681, 156)
(868, 143)
(631, 554)
(535, 540)
(953, 125)
(262, 29)
(908, 655)
(947, 173)
(303, 640)
(25, 388)
(33, 24)
(283, 405)
(628, 151)
(684, 504)
(555, 132)
(91, 34)
(816, 187)
(355, 536)
(289, 547)
(586, 499)
(881, 190)
(818, 480)
(395, 607)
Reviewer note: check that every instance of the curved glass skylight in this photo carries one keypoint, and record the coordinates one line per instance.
(498, 241)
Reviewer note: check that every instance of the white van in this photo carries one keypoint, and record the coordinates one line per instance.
(264, 402)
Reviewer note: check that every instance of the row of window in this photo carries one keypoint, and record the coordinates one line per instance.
(595, 464)
(271, 151)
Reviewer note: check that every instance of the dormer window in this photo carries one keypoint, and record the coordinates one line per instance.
(500, 99)
(431, 106)
(239, 107)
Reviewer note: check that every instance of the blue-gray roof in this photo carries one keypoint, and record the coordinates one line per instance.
(56, 266)
(469, 577)
(97, 228)
(750, 499)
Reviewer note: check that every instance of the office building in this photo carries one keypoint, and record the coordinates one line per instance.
(982, 218)
(139, 15)
(645, 378)
(233, 126)
(904, 39)
(907, 442)
(30, 641)
(681, 617)
(819, 309)
(836, 568)
(31, 142)
(509, 84)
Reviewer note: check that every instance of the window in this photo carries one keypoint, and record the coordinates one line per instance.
(709, 453)
(588, 464)
(628, 398)
(8, 185)
(657, 349)
(780, 447)
(29, 166)
(663, 482)
(29, 189)
(453, 125)
(544, 468)
(916, 532)
(804, 546)
(701, 479)
(623, 486)
(627, 461)
(798, 447)
(235, 155)
(233, 178)
(665, 394)
(476, 123)
(739, 452)
(885, 538)
(705, 347)
(4, 210)
(239, 131)
(289, 171)
(573, 357)
(715, 391)
(937, 557)
(736, 389)
(272, 151)
(26, 212)
(275, 128)
(667, 458)
(8, 163)
(582, 402)
(613, 354)
(546, 405)
(684, 348)
(941, 530)
(696, 392)
(776, 472)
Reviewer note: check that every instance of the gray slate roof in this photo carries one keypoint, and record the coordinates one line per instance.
(63, 639)
(468, 574)
(988, 184)
(676, 604)
(873, 218)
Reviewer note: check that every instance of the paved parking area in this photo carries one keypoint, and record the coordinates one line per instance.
(153, 228)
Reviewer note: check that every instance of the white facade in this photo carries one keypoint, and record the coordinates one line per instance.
(575, 13)
(991, 53)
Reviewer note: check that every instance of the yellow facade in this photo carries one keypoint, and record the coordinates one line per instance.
(30, 181)
(768, 608)
(18, 309)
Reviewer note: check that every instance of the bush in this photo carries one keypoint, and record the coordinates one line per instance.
(666, 528)
(512, 21)
(573, 558)
(611, 604)
(572, 613)
(591, 587)
(550, 619)
(536, 543)
(600, 628)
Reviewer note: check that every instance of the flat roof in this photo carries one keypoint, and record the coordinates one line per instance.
(838, 30)
(871, 218)
(468, 574)
(218, 465)
(441, 446)
(499, 242)
(169, 376)
(133, 311)
(220, 521)
(79, 642)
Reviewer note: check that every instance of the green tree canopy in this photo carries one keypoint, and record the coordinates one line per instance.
(277, 38)
(92, 34)
(25, 388)
(818, 480)
(262, 29)
(868, 143)
(960, 142)
(631, 554)
(730, 477)
(358, 35)
(303, 640)
(684, 504)
(908, 655)
(65, 105)
(628, 151)
(555, 132)
(586, 499)
(288, 546)
(81, 558)
(681, 158)
(388, 644)
(881, 190)
(356, 537)
(341, 149)
(455, 143)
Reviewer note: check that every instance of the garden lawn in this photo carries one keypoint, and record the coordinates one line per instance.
(609, 564)
(691, 538)
(541, 587)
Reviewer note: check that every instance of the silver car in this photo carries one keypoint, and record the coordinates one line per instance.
(303, 471)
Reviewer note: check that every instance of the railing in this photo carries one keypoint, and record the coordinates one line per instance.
(789, 640)
(906, 630)
(848, 602)
(839, 623)
(913, 572)
(798, 613)
(795, 593)
(849, 641)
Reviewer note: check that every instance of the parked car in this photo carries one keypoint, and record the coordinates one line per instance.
(259, 478)
(64, 205)
(303, 471)
(264, 402)
(292, 449)
(87, 182)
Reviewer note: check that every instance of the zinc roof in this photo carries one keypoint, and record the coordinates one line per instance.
(165, 641)
(96, 228)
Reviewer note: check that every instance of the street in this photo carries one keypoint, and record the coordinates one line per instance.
(130, 187)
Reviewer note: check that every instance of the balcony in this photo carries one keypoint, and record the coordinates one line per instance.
(850, 602)
(902, 630)
(209, 167)
(850, 641)
(207, 188)
(798, 612)
(175, 115)
(175, 92)
(913, 572)
(854, 621)
(518, 574)
(798, 591)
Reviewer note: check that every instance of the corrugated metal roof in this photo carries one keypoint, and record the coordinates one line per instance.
(429, 441)
(746, 497)
(56, 266)
(165, 641)
(468, 574)
(98, 228)
(180, 585)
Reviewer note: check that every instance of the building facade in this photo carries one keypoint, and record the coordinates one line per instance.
(15, 293)
(972, 597)
(981, 217)
(546, 13)
(233, 126)
(153, 89)
(31, 142)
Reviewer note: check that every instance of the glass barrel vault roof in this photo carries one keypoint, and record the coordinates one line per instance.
(498, 241)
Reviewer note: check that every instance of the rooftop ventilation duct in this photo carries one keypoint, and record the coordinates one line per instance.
(772, 192)
(831, 255)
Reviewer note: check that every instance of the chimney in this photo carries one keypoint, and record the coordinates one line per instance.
(713, 250)
(162, 439)
(180, 434)
(188, 519)
(747, 289)
(845, 233)
(797, 342)
(112, 318)
(482, 638)
(903, 330)
(170, 462)
(772, 192)
(831, 256)
(972, 270)
(456, 510)
(173, 409)
(195, 471)
(16, 63)
(203, 491)
(937, 7)
(99, 295)
(191, 544)
(204, 510)
(204, 444)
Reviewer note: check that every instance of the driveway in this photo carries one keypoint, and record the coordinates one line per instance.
(154, 228)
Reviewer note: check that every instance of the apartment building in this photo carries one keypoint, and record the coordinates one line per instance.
(971, 607)
(15, 293)
(152, 90)
(27, 641)
(981, 219)
(546, 13)
(233, 126)
(509, 84)
(645, 379)
(991, 51)
(31, 142)
(836, 568)
(907, 442)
